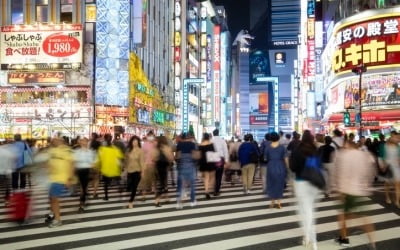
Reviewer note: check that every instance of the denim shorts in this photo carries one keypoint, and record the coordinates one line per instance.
(57, 190)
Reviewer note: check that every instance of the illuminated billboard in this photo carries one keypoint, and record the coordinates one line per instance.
(373, 42)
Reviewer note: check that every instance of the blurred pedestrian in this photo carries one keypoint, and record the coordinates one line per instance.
(207, 168)
(305, 192)
(221, 147)
(109, 159)
(234, 164)
(164, 158)
(84, 159)
(355, 174)
(391, 160)
(248, 158)
(275, 155)
(7, 165)
(186, 155)
(148, 181)
(61, 173)
(95, 172)
(327, 155)
(134, 163)
(22, 152)
(263, 161)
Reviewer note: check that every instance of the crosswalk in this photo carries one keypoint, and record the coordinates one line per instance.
(230, 221)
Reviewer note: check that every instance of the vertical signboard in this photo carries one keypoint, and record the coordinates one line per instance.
(185, 106)
(217, 72)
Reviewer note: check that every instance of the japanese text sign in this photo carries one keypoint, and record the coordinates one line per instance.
(52, 44)
(373, 42)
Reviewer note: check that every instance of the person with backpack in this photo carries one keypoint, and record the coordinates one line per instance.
(305, 192)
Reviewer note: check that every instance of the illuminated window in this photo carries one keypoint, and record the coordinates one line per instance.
(17, 12)
(66, 11)
(42, 14)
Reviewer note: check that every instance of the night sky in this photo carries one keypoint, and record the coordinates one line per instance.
(238, 14)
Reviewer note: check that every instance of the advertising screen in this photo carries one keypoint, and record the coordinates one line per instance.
(258, 66)
(258, 108)
(376, 90)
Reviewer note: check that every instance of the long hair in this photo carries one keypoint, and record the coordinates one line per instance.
(162, 140)
(137, 138)
(307, 145)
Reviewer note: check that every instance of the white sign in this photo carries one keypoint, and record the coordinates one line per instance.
(39, 44)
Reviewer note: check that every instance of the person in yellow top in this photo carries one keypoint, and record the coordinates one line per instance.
(61, 172)
(109, 160)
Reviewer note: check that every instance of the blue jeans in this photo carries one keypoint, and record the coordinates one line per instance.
(186, 175)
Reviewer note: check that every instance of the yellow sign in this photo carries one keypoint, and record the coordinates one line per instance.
(90, 13)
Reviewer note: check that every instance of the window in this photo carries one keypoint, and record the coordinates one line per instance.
(17, 12)
(66, 11)
(42, 8)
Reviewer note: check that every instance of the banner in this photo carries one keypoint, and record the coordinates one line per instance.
(376, 90)
(41, 44)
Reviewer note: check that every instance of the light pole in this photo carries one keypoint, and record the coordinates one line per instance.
(359, 70)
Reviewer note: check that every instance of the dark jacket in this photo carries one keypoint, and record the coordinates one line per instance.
(298, 157)
(244, 152)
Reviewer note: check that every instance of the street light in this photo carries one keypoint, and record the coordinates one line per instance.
(359, 70)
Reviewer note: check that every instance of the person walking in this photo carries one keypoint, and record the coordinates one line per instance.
(6, 167)
(186, 155)
(234, 164)
(248, 158)
(61, 172)
(95, 172)
(22, 152)
(327, 155)
(109, 159)
(207, 168)
(221, 147)
(134, 163)
(164, 159)
(275, 155)
(148, 181)
(391, 159)
(355, 174)
(305, 192)
(263, 161)
(84, 159)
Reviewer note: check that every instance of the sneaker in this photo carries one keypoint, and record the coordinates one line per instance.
(208, 196)
(248, 191)
(55, 223)
(179, 205)
(193, 203)
(344, 242)
(49, 218)
(81, 210)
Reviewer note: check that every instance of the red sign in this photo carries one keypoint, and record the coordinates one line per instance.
(217, 77)
(372, 42)
(60, 45)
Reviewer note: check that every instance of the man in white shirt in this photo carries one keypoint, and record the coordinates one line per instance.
(221, 147)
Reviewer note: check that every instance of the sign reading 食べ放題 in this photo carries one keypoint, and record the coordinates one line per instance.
(32, 46)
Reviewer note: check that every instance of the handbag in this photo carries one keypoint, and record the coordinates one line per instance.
(212, 157)
(27, 157)
(312, 172)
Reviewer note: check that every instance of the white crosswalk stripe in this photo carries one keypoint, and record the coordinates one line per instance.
(233, 220)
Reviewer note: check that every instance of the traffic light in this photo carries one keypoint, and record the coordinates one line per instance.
(346, 118)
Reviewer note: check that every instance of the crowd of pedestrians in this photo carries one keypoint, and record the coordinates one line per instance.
(141, 166)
